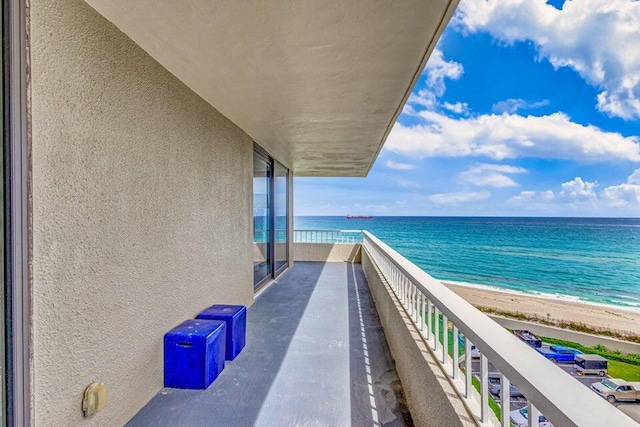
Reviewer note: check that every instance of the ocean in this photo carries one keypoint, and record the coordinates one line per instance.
(592, 260)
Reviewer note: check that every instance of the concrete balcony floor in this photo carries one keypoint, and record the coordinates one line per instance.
(316, 355)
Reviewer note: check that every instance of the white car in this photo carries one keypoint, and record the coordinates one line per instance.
(475, 353)
(520, 417)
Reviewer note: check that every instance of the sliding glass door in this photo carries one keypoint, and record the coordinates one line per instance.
(262, 229)
(270, 217)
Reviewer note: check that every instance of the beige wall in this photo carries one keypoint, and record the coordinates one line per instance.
(141, 213)
(327, 252)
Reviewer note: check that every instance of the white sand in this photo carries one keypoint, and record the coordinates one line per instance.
(596, 316)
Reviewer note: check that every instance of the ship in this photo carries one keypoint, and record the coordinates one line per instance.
(359, 217)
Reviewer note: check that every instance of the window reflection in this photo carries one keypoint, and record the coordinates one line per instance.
(261, 218)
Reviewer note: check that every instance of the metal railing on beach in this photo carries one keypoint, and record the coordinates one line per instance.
(432, 307)
(327, 236)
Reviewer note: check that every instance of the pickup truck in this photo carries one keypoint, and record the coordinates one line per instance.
(528, 337)
(615, 389)
(557, 353)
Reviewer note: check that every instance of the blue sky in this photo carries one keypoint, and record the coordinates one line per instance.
(525, 108)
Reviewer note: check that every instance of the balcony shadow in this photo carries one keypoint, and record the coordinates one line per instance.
(376, 392)
(239, 393)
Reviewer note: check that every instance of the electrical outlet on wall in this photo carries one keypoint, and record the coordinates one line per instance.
(95, 398)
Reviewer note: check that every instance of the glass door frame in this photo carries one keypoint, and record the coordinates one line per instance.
(276, 165)
(258, 150)
(15, 146)
(264, 156)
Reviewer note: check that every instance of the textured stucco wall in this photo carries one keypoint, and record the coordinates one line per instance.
(142, 207)
(432, 400)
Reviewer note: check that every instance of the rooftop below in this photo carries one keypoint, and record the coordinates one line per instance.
(316, 354)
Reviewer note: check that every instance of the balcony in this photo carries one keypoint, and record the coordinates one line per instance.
(373, 341)
(316, 355)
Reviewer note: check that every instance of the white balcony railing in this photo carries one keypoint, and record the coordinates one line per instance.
(548, 389)
(327, 236)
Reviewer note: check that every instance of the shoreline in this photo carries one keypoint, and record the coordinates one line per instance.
(542, 295)
(598, 316)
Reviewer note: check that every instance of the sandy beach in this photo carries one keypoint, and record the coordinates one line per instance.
(605, 317)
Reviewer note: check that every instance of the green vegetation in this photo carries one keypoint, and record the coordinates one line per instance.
(624, 370)
(449, 336)
(493, 405)
(574, 326)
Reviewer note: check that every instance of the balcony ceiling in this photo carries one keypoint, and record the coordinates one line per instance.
(319, 84)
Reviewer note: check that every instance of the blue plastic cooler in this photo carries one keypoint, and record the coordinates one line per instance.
(236, 318)
(194, 353)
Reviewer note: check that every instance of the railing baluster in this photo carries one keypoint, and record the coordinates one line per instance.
(429, 319)
(412, 302)
(456, 354)
(468, 373)
(534, 415)
(505, 400)
(445, 339)
(484, 389)
(416, 303)
(423, 300)
(436, 327)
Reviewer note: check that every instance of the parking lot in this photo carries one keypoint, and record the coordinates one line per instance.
(518, 402)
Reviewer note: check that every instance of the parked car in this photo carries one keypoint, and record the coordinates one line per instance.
(475, 352)
(557, 353)
(529, 337)
(587, 364)
(615, 389)
(495, 387)
(520, 418)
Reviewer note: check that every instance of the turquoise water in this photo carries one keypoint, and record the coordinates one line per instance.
(594, 260)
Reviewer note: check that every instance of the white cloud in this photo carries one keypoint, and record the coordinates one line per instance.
(423, 98)
(437, 69)
(511, 136)
(580, 197)
(399, 166)
(578, 189)
(512, 105)
(459, 197)
(596, 38)
(458, 107)
(404, 183)
(491, 175)
(533, 196)
(624, 194)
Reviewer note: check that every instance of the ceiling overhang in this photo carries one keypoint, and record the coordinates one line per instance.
(319, 84)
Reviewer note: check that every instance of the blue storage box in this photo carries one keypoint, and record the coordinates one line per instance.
(236, 318)
(194, 353)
